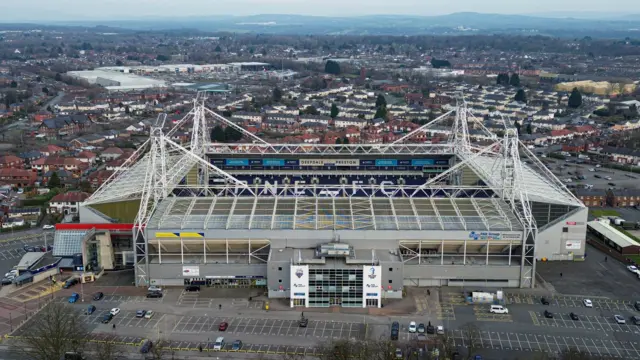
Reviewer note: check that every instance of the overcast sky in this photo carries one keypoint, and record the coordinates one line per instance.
(52, 10)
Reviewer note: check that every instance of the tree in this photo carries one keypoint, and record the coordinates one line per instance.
(127, 110)
(516, 124)
(521, 96)
(440, 63)
(334, 111)
(10, 97)
(381, 101)
(514, 80)
(107, 351)
(529, 130)
(381, 113)
(85, 186)
(311, 110)
(277, 94)
(14, 84)
(217, 134)
(218, 49)
(45, 90)
(575, 99)
(54, 181)
(332, 67)
(58, 77)
(161, 57)
(55, 331)
(338, 141)
(502, 79)
(119, 62)
(471, 337)
(231, 134)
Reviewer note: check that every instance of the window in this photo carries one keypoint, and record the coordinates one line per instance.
(280, 280)
(390, 281)
(565, 229)
(279, 268)
(390, 269)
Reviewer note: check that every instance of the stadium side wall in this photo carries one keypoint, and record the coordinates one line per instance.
(565, 239)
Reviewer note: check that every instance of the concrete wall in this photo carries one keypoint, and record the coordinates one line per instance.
(552, 241)
(174, 271)
(276, 271)
(105, 250)
(429, 275)
(392, 271)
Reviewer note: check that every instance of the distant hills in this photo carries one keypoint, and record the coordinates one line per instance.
(556, 24)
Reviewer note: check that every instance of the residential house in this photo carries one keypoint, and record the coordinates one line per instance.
(49, 150)
(111, 153)
(342, 122)
(66, 177)
(623, 197)
(315, 118)
(97, 178)
(592, 197)
(288, 118)
(86, 157)
(17, 177)
(64, 125)
(251, 117)
(67, 203)
(11, 161)
(622, 155)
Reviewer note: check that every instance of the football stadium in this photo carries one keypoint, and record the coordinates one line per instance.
(329, 225)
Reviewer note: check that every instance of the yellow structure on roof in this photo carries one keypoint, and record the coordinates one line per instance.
(598, 88)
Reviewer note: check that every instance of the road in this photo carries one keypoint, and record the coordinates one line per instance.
(54, 101)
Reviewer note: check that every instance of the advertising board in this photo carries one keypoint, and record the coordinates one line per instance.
(190, 271)
(371, 284)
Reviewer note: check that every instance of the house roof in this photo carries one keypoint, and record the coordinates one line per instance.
(6, 159)
(71, 196)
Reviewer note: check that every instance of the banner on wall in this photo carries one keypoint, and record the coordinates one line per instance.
(573, 245)
(190, 271)
(299, 281)
(371, 284)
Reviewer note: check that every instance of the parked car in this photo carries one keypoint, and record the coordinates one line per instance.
(219, 344)
(544, 301)
(619, 319)
(430, 329)
(141, 313)
(192, 288)
(146, 346)
(114, 311)
(91, 309)
(154, 295)
(48, 227)
(421, 329)
(413, 327)
(587, 303)
(398, 353)
(148, 314)
(69, 283)
(7, 281)
(98, 296)
(635, 320)
(573, 316)
(633, 269)
(637, 305)
(236, 346)
(73, 298)
(223, 326)
(107, 318)
(154, 288)
(548, 314)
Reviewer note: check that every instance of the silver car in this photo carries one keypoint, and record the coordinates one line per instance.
(619, 319)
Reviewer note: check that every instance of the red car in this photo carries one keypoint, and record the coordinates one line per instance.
(223, 326)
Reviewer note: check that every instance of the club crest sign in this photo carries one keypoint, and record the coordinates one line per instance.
(299, 273)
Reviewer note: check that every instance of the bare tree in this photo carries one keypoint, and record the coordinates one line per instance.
(446, 345)
(107, 351)
(160, 350)
(471, 337)
(344, 349)
(56, 330)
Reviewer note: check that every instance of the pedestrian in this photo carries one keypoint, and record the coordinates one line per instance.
(560, 274)
(428, 292)
(114, 326)
(605, 259)
(200, 348)
(219, 306)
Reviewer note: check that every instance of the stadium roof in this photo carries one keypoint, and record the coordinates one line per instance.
(337, 213)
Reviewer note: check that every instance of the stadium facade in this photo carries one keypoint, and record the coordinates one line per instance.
(333, 225)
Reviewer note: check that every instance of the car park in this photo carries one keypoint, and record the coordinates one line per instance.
(548, 314)
(544, 301)
(635, 320)
(107, 318)
(421, 329)
(98, 296)
(588, 303)
(303, 322)
(219, 344)
(149, 314)
(612, 184)
(91, 309)
(141, 313)
(114, 311)
(413, 327)
(236, 346)
(223, 326)
(619, 319)
(395, 330)
(573, 316)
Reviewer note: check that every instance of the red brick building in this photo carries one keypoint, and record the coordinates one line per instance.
(17, 177)
(11, 161)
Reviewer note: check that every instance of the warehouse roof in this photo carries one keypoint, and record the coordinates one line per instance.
(612, 234)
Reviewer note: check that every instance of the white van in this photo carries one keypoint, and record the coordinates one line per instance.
(219, 344)
(498, 309)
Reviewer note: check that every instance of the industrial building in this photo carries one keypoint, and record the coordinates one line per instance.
(332, 225)
(117, 81)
